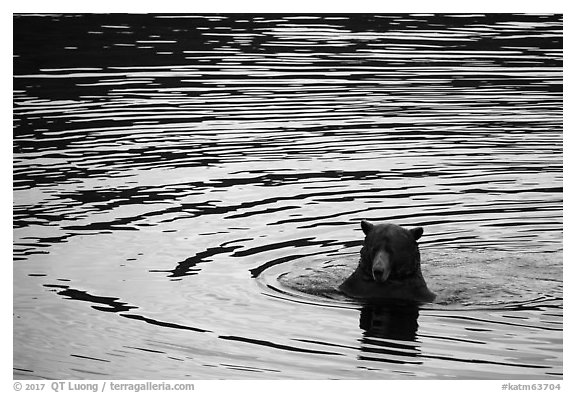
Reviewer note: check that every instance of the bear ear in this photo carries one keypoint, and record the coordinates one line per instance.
(366, 227)
(417, 232)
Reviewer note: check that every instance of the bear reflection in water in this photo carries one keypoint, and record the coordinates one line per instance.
(394, 321)
(389, 266)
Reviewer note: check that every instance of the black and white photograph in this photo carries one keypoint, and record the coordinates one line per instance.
(288, 196)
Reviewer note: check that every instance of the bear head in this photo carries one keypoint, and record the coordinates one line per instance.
(390, 252)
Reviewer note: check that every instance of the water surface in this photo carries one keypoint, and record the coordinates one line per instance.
(188, 193)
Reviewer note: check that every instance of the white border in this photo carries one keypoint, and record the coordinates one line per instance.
(300, 6)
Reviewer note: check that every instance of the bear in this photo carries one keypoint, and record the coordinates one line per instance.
(389, 267)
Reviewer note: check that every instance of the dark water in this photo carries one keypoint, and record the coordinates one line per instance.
(188, 192)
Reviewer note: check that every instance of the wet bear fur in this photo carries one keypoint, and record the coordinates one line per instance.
(389, 266)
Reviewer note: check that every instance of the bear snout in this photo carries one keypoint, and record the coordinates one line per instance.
(381, 266)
